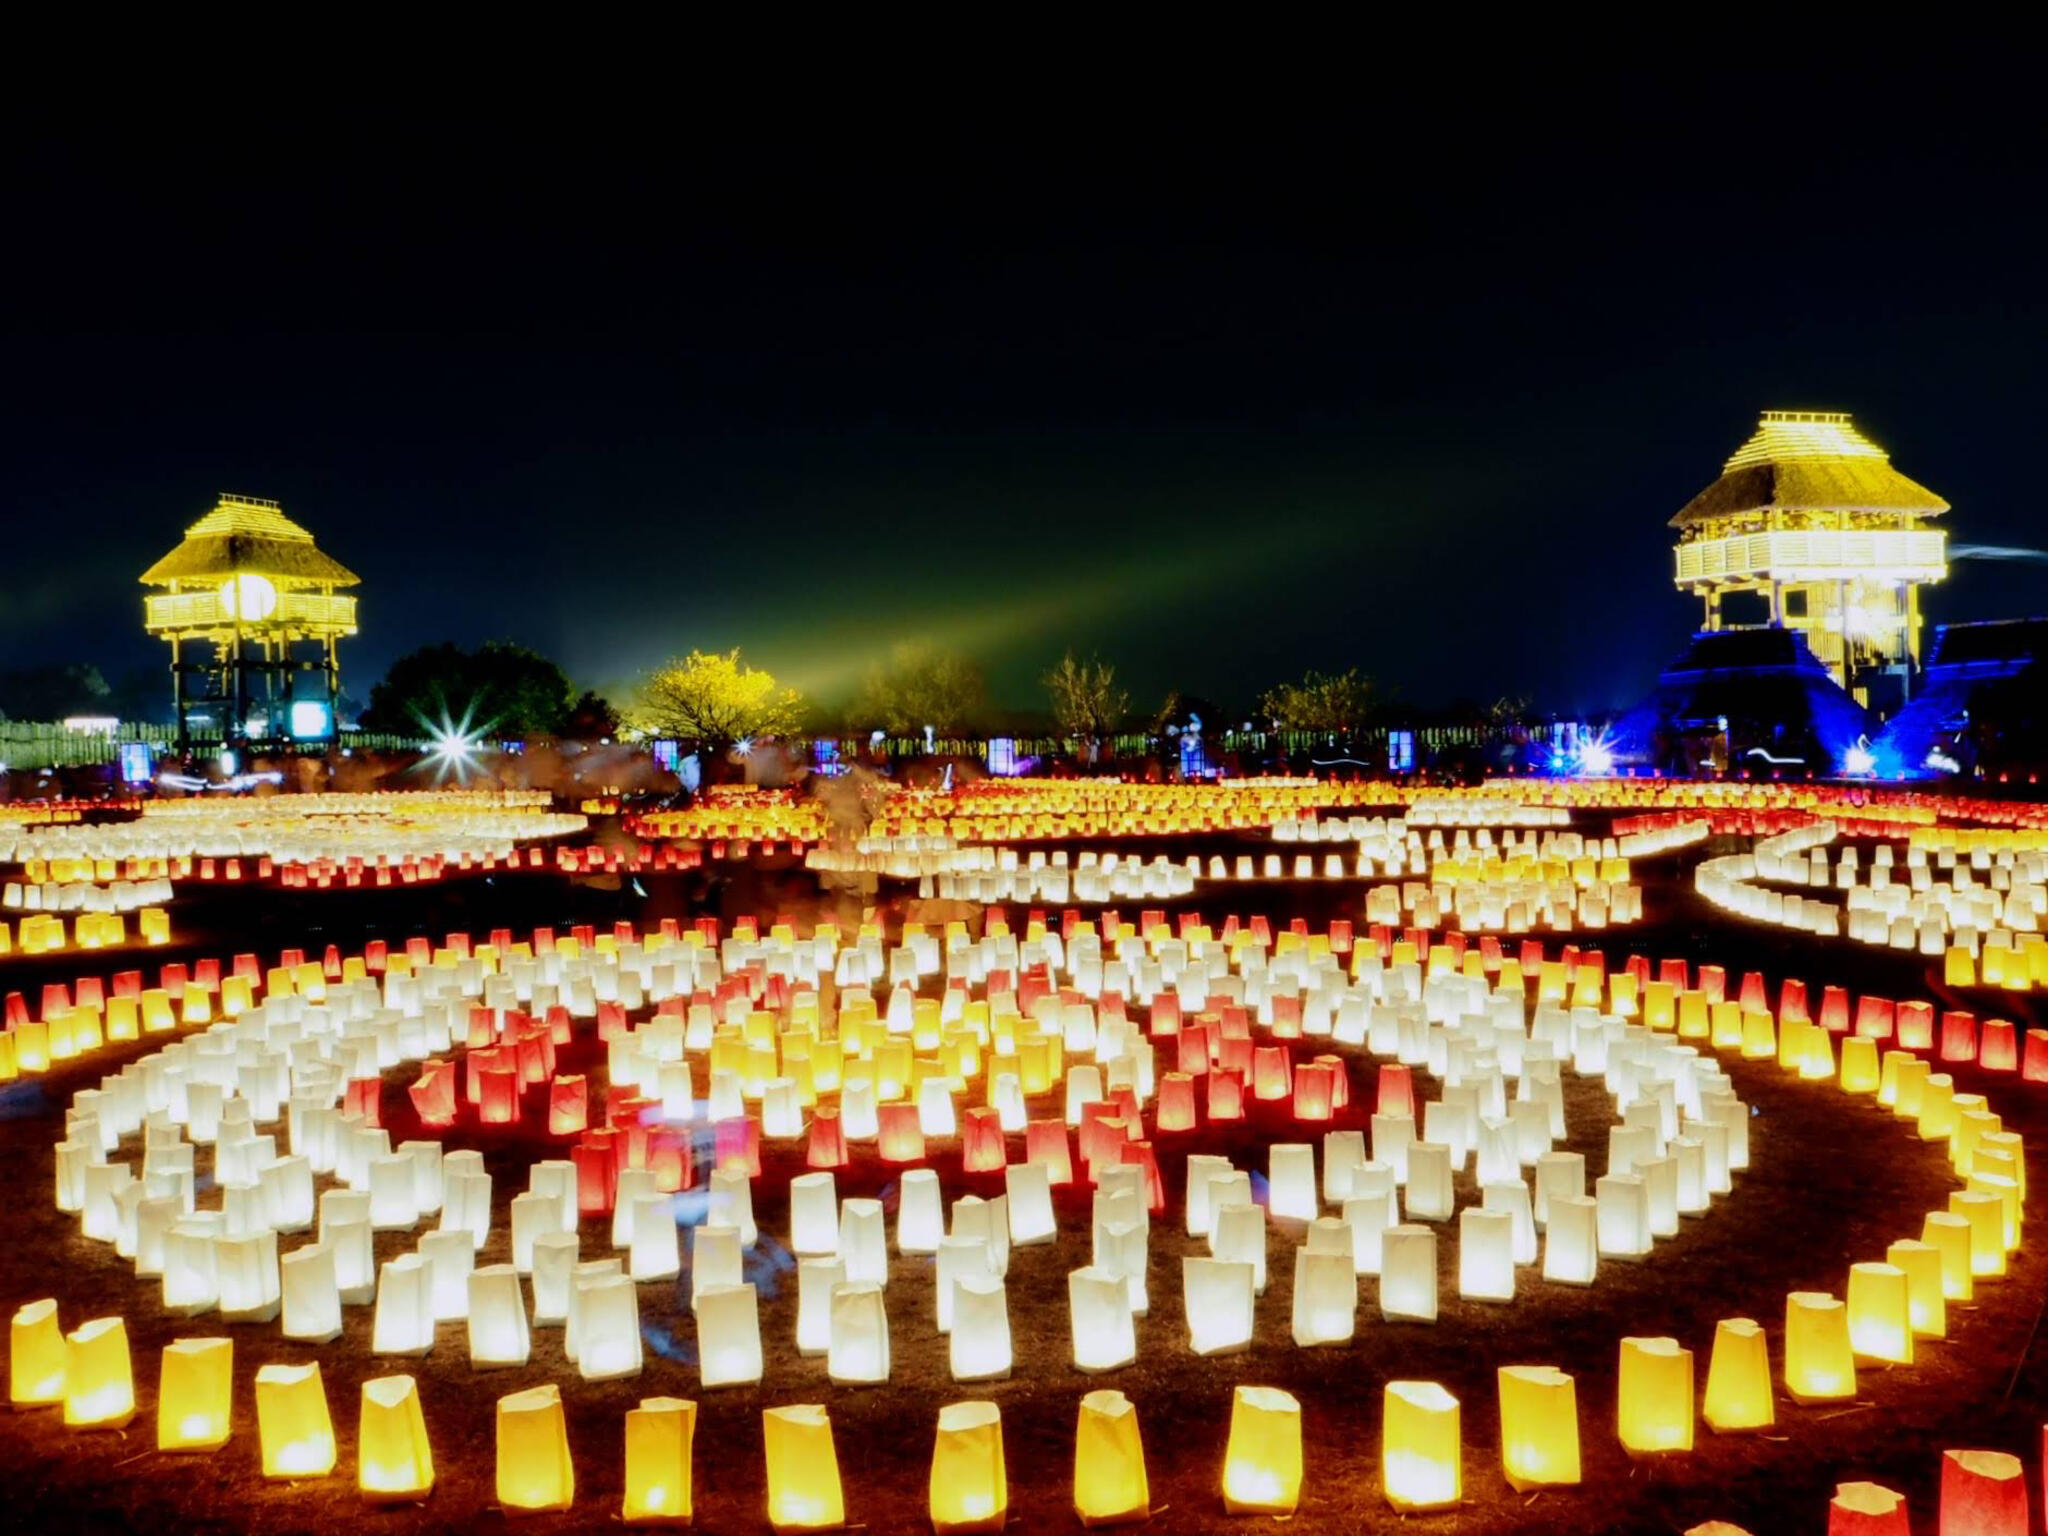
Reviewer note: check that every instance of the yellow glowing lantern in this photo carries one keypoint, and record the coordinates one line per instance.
(534, 1469)
(1820, 1365)
(194, 1395)
(1739, 1379)
(1262, 1462)
(292, 1422)
(1422, 1456)
(1860, 1070)
(99, 1382)
(970, 1490)
(393, 1460)
(1949, 1235)
(1110, 1485)
(659, 1435)
(1654, 1399)
(1880, 1313)
(35, 1357)
(1539, 1427)
(803, 1470)
(1925, 1304)
(1986, 1216)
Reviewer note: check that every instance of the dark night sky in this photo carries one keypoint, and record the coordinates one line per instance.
(1413, 386)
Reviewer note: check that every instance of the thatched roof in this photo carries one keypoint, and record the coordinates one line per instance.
(248, 534)
(1809, 461)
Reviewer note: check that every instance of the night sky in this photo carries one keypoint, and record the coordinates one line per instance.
(1413, 386)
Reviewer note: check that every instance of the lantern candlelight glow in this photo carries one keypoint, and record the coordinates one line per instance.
(1110, 1483)
(804, 1492)
(194, 1395)
(292, 1422)
(35, 1357)
(1738, 1398)
(970, 1490)
(534, 1469)
(394, 1461)
(99, 1380)
(1421, 1447)
(1262, 1461)
(659, 1464)
(1539, 1427)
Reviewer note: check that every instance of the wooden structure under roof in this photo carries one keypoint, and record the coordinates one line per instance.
(253, 610)
(1810, 519)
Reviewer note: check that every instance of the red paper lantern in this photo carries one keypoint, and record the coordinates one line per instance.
(1997, 1048)
(1958, 1035)
(1714, 982)
(1141, 1154)
(1272, 1073)
(1915, 1024)
(597, 1179)
(1226, 1096)
(1193, 1057)
(901, 1138)
(1865, 1509)
(1983, 1493)
(1046, 1142)
(827, 1145)
(1314, 1091)
(1340, 1081)
(364, 1096)
(1397, 1090)
(1165, 1014)
(982, 1148)
(1673, 973)
(1176, 1102)
(736, 1143)
(568, 1106)
(433, 1094)
(2035, 1065)
(1874, 1017)
(1792, 1002)
(498, 1088)
(1834, 1010)
(669, 1159)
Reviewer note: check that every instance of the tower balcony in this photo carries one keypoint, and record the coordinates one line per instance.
(208, 611)
(1902, 555)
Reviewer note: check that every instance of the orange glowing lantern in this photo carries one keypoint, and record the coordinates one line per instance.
(99, 1382)
(970, 1490)
(659, 1437)
(292, 1422)
(1422, 1455)
(1262, 1462)
(1539, 1427)
(194, 1394)
(534, 1469)
(35, 1357)
(1739, 1396)
(982, 1147)
(394, 1462)
(1654, 1407)
(1820, 1365)
(803, 1470)
(1110, 1483)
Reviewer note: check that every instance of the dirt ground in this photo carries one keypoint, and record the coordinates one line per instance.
(1831, 1182)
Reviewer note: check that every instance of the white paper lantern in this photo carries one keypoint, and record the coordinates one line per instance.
(311, 1302)
(498, 1334)
(1429, 1194)
(1486, 1255)
(979, 1345)
(1217, 1297)
(813, 1215)
(1291, 1181)
(404, 1322)
(815, 1282)
(863, 1241)
(555, 1256)
(920, 1213)
(1325, 1295)
(656, 1253)
(728, 1335)
(606, 1320)
(1028, 1192)
(858, 1354)
(1408, 1274)
(1571, 1241)
(1099, 1306)
(449, 1259)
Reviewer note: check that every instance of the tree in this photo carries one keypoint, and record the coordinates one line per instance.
(1335, 703)
(1086, 700)
(921, 686)
(500, 688)
(716, 700)
(50, 693)
(591, 718)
